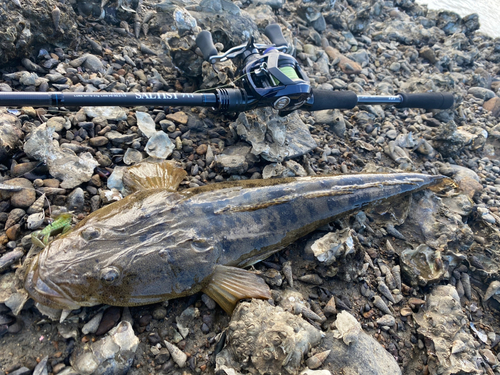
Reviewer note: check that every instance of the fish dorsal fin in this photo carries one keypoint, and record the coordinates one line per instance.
(230, 284)
(153, 175)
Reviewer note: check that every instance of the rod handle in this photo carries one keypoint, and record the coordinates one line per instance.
(205, 43)
(431, 100)
(273, 32)
(327, 99)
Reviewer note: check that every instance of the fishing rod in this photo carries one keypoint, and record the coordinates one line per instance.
(269, 78)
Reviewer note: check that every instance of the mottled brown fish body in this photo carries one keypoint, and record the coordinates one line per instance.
(155, 245)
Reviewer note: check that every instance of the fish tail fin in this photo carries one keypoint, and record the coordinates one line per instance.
(153, 175)
(230, 284)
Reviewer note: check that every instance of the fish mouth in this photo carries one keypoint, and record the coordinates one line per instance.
(47, 295)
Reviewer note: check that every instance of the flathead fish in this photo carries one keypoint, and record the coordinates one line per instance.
(157, 243)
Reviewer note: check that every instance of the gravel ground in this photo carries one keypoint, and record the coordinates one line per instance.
(421, 283)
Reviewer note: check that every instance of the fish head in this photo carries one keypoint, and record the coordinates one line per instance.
(133, 252)
(73, 270)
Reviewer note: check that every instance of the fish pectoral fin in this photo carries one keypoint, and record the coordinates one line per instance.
(230, 284)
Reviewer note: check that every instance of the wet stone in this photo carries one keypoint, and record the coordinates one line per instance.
(482, 93)
(159, 313)
(118, 138)
(98, 141)
(178, 117)
(110, 318)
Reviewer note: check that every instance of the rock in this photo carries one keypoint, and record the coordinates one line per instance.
(159, 145)
(386, 320)
(202, 149)
(57, 122)
(442, 322)
(422, 265)
(112, 354)
(482, 93)
(63, 164)
(186, 319)
(333, 118)
(35, 220)
(93, 63)
(467, 180)
(428, 53)
(7, 286)
(109, 113)
(430, 222)
(93, 324)
(353, 351)
(184, 22)
(493, 105)
(345, 64)
(8, 259)
(10, 134)
(98, 141)
(332, 246)
(234, 160)
(36, 28)
(110, 317)
(178, 117)
(231, 164)
(288, 136)
(23, 198)
(268, 335)
(41, 367)
(119, 138)
(75, 200)
(288, 168)
(159, 313)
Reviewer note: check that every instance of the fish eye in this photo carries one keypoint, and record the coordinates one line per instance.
(109, 275)
(90, 233)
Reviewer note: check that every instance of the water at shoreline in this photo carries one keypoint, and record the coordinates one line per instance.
(488, 11)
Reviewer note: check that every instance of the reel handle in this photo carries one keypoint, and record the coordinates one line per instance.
(430, 100)
(273, 32)
(205, 43)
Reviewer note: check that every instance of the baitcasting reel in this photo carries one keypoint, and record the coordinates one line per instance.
(271, 78)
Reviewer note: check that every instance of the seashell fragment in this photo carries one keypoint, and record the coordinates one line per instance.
(379, 303)
(311, 279)
(137, 29)
(35, 220)
(124, 25)
(287, 270)
(331, 307)
(422, 265)
(317, 360)
(396, 272)
(348, 328)
(317, 309)
(178, 355)
(38, 205)
(466, 283)
(306, 312)
(384, 290)
(14, 216)
(56, 16)
(492, 290)
(149, 16)
(458, 347)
